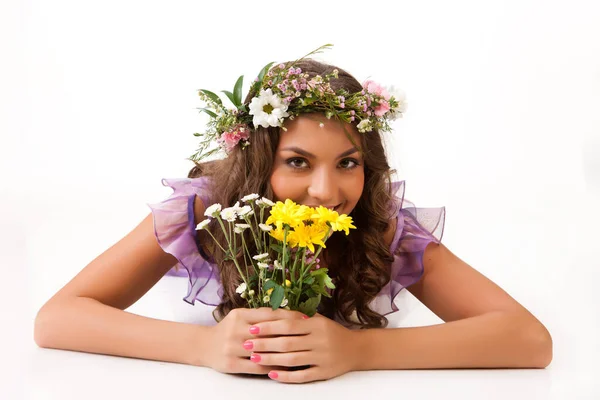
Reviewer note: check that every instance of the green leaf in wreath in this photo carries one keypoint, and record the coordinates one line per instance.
(277, 248)
(263, 71)
(237, 91)
(209, 112)
(230, 96)
(212, 96)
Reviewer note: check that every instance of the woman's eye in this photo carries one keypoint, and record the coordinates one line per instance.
(353, 164)
(296, 162)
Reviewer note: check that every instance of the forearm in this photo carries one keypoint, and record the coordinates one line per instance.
(84, 324)
(493, 340)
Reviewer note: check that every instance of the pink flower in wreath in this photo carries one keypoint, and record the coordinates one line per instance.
(232, 137)
(377, 89)
(382, 108)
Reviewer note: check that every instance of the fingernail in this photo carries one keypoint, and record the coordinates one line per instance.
(273, 375)
(305, 317)
(248, 345)
(255, 358)
(254, 330)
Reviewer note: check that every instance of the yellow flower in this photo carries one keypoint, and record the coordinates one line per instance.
(278, 234)
(288, 283)
(343, 223)
(309, 235)
(269, 291)
(287, 213)
(324, 215)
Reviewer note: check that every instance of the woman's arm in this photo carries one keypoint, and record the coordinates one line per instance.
(87, 314)
(492, 340)
(485, 327)
(85, 324)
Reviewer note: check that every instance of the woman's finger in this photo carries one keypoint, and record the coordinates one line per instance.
(278, 344)
(286, 359)
(280, 327)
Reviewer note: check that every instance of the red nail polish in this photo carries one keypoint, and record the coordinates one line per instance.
(305, 317)
(248, 345)
(254, 330)
(273, 375)
(255, 358)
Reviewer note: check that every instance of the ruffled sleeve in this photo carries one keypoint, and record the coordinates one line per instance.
(415, 229)
(175, 231)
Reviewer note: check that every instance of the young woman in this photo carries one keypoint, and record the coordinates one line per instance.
(309, 132)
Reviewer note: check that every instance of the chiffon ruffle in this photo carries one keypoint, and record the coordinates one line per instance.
(416, 228)
(175, 232)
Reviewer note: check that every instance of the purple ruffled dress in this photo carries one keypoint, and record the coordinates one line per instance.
(175, 232)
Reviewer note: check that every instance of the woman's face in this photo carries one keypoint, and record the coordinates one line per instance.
(318, 165)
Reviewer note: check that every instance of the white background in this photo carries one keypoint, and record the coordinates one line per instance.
(97, 104)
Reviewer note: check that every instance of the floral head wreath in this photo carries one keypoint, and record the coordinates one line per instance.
(285, 91)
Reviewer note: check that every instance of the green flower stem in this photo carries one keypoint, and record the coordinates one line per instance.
(300, 279)
(262, 212)
(249, 256)
(316, 255)
(285, 232)
(256, 238)
(215, 239)
(255, 219)
(232, 252)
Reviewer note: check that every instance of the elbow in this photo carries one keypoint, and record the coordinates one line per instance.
(542, 346)
(42, 327)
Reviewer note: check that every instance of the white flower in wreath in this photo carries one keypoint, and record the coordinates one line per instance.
(268, 109)
(400, 97)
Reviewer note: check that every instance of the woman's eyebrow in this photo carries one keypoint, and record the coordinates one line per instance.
(310, 155)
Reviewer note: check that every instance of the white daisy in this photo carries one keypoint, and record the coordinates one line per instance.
(229, 214)
(278, 265)
(246, 210)
(266, 299)
(267, 202)
(265, 228)
(250, 197)
(203, 224)
(284, 303)
(268, 109)
(261, 257)
(242, 288)
(213, 210)
(251, 292)
(239, 228)
(263, 265)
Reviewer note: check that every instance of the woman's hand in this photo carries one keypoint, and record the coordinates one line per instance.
(324, 345)
(223, 346)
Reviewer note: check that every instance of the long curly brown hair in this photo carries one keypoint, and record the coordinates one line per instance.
(359, 263)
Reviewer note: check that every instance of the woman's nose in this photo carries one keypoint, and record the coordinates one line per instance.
(323, 187)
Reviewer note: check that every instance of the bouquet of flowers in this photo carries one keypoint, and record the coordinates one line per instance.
(285, 272)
